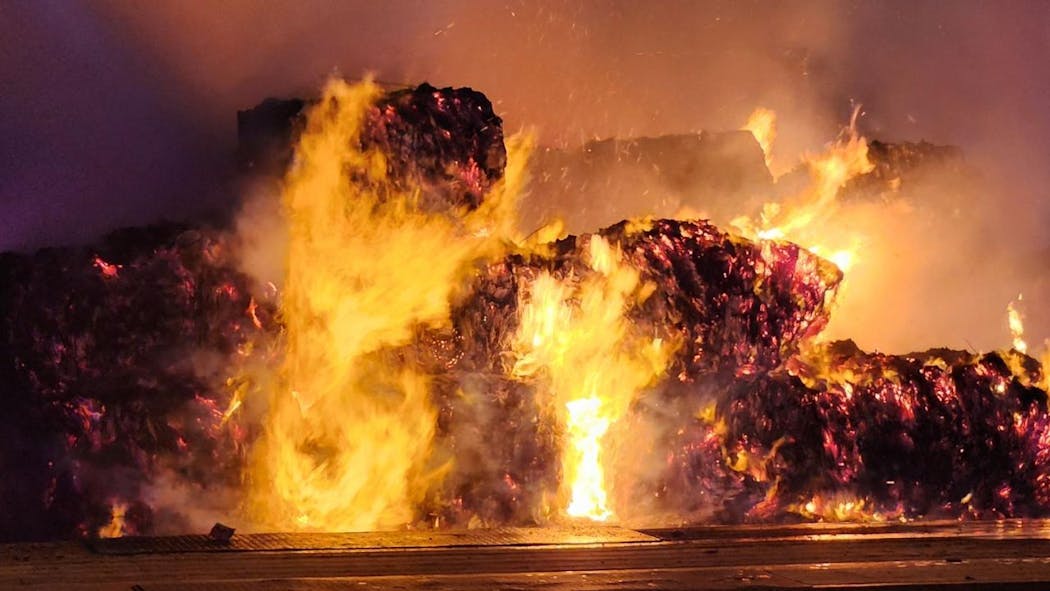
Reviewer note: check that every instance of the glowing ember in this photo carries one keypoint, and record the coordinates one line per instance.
(105, 268)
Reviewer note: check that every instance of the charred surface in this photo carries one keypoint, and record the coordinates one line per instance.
(448, 141)
(101, 353)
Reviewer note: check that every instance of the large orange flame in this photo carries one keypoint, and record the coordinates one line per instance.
(803, 218)
(349, 428)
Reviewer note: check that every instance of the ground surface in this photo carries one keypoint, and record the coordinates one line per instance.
(949, 556)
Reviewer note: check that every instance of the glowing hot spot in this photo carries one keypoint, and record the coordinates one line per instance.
(586, 427)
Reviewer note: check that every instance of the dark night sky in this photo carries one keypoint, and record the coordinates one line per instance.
(120, 112)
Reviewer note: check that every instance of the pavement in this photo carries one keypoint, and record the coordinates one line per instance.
(1009, 554)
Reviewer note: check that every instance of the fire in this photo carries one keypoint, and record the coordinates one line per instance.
(762, 123)
(1045, 360)
(586, 427)
(108, 270)
(349, 430)
(117, 525)
(844, 258)
(844, 508)
(575, 340)
(1015, 320)
(803, 219)
(534, 366)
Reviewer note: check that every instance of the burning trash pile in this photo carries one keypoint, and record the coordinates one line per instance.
(423, 364)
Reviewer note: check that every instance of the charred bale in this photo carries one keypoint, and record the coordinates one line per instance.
(105, 351)
(446, 141)
(914, 436)
(734, 308)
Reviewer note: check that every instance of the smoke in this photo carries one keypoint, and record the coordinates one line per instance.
(142, 126)
(261, 235)
(971, 242)
(936, 267)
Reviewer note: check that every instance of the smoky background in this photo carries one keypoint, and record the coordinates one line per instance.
(117, 113)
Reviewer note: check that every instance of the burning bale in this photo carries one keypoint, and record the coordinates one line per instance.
(422, 366)
(854, 435)
(737, 307)
(729, 307)
(447, 142)
(119, 361)
(101, 368)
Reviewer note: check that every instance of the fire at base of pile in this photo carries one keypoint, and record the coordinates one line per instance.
(421, 365)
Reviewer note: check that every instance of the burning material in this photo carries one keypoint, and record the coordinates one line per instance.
(803, 218)
(685, 301)
(935, 434)
(762, 123)
(372, 259)
(117, 526)
(1016, 324)
(421, 365)
(592, 364)
(117, 376)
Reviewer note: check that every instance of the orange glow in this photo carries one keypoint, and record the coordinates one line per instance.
(1045, 360)
(842, 508)
(107, 269)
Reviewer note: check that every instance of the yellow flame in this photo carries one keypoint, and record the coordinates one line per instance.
(349, 427)
(762, 123)
(802, 219)
(585, 427)
(843, 259)
(117, 524)
(574, 340)
(1045, 360)
(843, 508)
(1015, 320)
